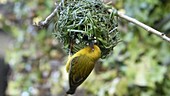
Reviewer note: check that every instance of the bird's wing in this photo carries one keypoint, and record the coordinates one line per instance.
(80, 68)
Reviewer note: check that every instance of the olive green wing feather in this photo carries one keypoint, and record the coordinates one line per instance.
(80, 68)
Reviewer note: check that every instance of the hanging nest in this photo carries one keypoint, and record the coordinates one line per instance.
(82, 21)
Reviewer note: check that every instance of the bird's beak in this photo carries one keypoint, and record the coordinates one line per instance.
(92, 45)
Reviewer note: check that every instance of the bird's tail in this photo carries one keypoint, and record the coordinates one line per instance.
(71, 91)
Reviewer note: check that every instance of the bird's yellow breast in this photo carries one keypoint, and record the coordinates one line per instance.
(93, 53)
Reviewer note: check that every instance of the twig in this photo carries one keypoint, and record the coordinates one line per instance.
(147, 28)
(49, 17)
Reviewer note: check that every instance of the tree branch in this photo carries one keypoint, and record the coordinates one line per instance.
(49, 17)
(119, 14)
(147, 28)
(47, 20)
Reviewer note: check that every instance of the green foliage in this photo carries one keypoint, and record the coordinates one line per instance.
(142, 58)
(138, 66)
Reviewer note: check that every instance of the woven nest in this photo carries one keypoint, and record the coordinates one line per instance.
(80, 22)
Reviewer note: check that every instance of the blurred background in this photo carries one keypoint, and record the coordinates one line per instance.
(32, 61)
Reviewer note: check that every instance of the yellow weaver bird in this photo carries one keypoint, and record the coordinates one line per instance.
(80, 66)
